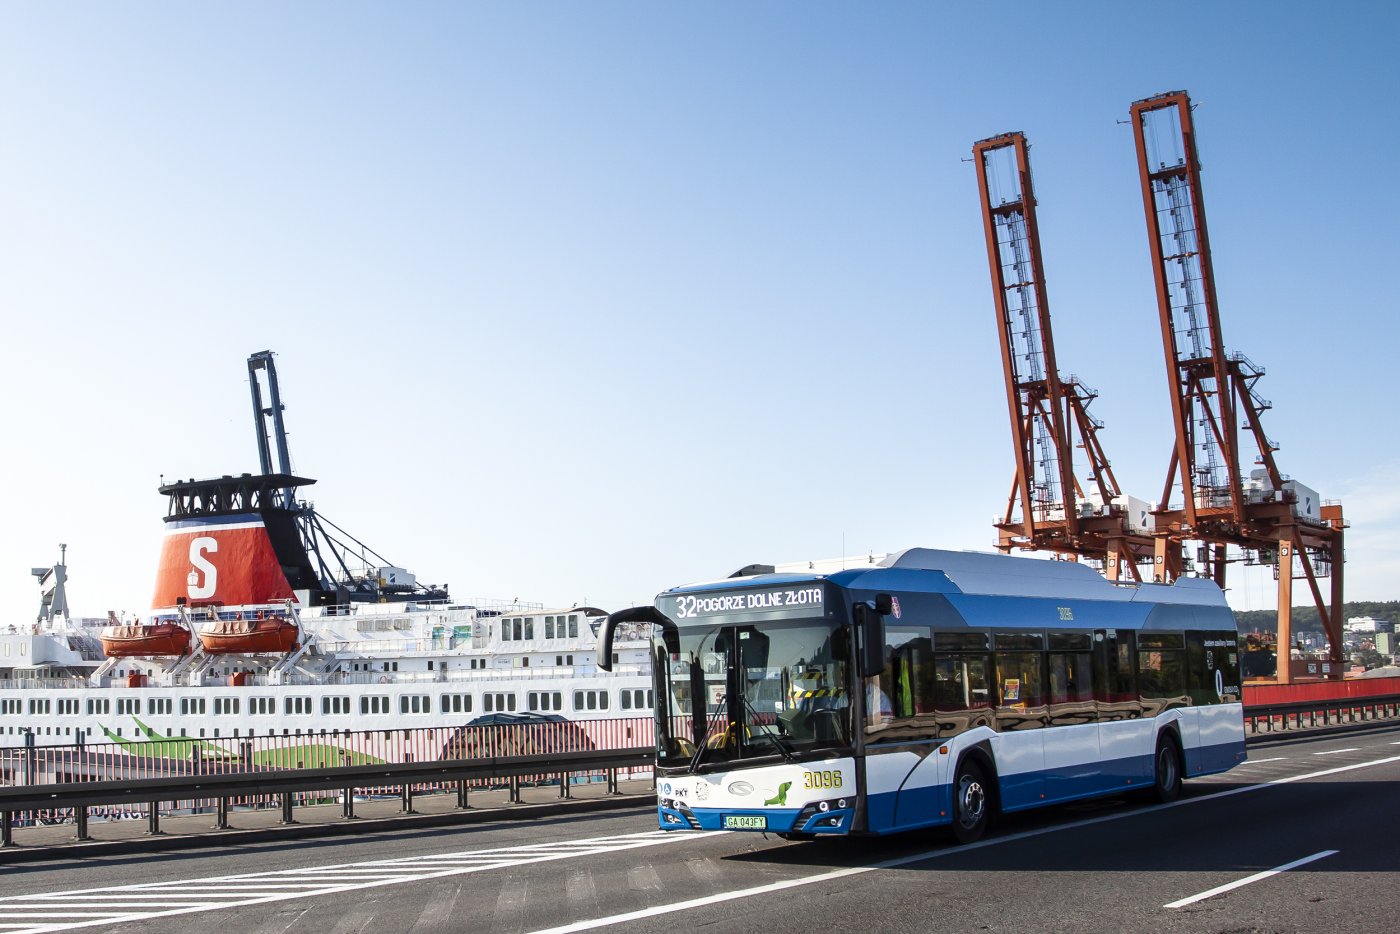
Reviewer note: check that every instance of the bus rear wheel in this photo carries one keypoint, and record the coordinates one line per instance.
(1166, 770)
(971, 803)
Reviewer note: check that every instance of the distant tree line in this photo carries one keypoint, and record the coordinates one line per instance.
(1305, 618)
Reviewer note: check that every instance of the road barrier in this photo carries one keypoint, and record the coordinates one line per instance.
(1301, 715)
(160, 776)
(284, 784)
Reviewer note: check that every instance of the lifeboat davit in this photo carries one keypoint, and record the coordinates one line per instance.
(274, 635)
(138, 641)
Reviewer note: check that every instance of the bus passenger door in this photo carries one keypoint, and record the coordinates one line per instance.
(1022, 714)
(1125, 737)
(1072, 743)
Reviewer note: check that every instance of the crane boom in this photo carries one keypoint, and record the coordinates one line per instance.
(262, 361)
(1049, 413)
(1214, 394)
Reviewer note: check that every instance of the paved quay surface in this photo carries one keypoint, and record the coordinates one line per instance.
(319, 820)
(1296, 840)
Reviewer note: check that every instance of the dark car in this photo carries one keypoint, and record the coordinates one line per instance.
(515, 734)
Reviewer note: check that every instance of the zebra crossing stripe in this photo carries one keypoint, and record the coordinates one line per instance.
(44, 912)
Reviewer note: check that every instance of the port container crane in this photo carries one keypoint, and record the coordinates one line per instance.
(1214, 395)
(1049, 413)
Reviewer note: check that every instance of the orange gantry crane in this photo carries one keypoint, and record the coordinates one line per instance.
(1049, 413)
(1272, 519)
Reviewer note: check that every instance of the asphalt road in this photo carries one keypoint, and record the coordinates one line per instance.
(1327, 804)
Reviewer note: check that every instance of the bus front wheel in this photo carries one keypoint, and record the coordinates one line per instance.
(1166, 770)
(971, 803)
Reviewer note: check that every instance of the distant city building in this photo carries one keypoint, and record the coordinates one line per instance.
(1369, 624)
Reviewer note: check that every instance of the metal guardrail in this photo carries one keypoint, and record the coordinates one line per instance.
(287, 782)
(1335, 711)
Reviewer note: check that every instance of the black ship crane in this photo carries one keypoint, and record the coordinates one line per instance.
(272, 412)
(330, 547)
(1049, 413)
(1215, 394)
(317, 556)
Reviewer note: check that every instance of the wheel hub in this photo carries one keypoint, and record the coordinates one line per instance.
(973, 799)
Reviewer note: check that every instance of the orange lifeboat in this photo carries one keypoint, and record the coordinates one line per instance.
(268, 635)
(143, 640)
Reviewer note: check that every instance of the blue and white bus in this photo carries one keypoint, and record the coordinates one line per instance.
(933, 688)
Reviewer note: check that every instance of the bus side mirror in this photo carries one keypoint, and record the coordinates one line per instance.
(635, 614)
(870, 624)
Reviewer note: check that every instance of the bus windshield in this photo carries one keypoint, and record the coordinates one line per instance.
(746, 691)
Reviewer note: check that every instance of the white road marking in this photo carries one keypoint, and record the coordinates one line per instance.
(947, 851)
(46, 912)
(1333, 752)
(643, 877)
(703, 868)
(60, 914)
(1257, 761)
(511, 901)
(437, 914)
(726, 896)
(1230, 886)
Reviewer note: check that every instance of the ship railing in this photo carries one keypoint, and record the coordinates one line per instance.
(43, 684)
(489, 606)
(464, 676)
(160, 777)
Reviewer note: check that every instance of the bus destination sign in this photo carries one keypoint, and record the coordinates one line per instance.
(803, 600)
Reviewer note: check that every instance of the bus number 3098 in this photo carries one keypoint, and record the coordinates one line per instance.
(821, 779)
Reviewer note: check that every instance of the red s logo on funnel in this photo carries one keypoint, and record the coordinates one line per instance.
(247, 572)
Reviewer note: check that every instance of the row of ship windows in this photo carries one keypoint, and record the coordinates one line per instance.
(633, 698)
(492, 702)
(555, 627)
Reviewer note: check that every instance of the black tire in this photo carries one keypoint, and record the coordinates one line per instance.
(1166, 770)
(972, 803)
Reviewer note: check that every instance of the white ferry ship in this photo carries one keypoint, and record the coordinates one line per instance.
(266, 626)
(362, 667)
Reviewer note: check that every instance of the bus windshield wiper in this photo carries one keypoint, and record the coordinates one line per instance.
(783, 749)
(704, 737)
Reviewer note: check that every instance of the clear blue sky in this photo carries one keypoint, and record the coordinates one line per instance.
(583, 300)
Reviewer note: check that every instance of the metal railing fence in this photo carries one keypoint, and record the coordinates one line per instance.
(283, 786)
(177, 765)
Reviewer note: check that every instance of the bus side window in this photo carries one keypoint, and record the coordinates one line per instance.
(962, 681)
(1161, 671)
(1020, 665)
(906, 684)
(1071, 681)
(1115, 692)
(1212, 667)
